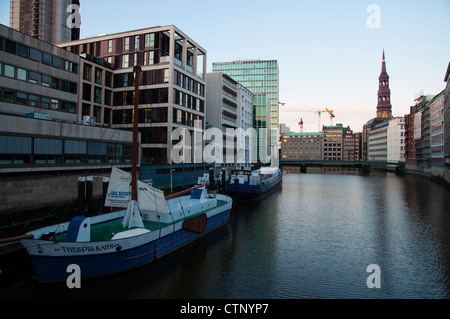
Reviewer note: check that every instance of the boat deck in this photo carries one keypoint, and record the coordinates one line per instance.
(105, 230)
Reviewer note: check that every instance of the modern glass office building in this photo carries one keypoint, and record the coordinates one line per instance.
(260, 77)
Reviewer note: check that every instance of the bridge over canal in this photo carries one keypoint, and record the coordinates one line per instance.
(365, 166)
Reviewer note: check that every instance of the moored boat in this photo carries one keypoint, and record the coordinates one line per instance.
(251, 185)
(125, 239)
(151, 226)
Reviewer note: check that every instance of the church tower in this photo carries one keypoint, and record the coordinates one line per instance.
(384, 107)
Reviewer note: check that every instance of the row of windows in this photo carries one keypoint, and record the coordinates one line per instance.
(148, 78)
(301, 157)
(189, 84)
(186, 100)
(37, 78)
(23, 98)
(268, 66)
(149, 96)
(150, 115)
(250, 83)
(98, 75)
(34, 150)
(120, 45)
(312, 151)
(98, 92)
(256, 90)
(300, 143)
(143, 58)
(96, 112)
(38, 56)
(186, 118)
(317, 147)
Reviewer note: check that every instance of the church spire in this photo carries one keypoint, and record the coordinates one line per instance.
(384, 107)
(383, 64)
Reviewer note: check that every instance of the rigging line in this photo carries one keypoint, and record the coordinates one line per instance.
(182, 209)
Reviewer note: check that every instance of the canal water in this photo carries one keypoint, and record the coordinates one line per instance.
(313, 238)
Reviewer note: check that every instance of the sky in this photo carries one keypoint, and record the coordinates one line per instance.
(329, 52)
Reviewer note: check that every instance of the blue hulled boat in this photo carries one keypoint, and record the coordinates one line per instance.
(125, 239)
(149, 226)
(249, 185)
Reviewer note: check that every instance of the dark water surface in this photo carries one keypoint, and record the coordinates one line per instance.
(314, 238)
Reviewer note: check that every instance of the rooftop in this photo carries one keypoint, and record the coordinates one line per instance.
(301, 134)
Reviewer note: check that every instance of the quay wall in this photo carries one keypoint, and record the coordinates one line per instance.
(20, 194)
(27, 192)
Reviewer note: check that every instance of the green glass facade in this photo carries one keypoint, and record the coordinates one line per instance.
(260, 77)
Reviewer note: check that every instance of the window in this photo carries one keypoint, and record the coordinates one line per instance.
(108, 95)
(68, 106)
(21, 98)
(56, 62)
(127, 44)
(87, 72)
(98, 95)
(86, 92)
(22, 51)
(151, 58)
(15, 149)
(46, 59)
(107, 116)
(9, 71)
(10, 46)
(125, 61)
(98, 75)
(136, 43)
(35, 55)
(97, 113)
(110, 46)
(47, 146)
(108, 79)
(33, 77)
(149, 40)
(45, 102)
(33, 100)
(55, 83)
(9, 96)
(166, 76)
(86, 109)
(21, 74)
(54, 104)
(46, 80)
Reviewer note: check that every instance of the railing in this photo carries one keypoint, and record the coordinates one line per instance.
(185, 191)
(343, 163)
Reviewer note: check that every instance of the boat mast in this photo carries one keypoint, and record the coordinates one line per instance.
(137, 70)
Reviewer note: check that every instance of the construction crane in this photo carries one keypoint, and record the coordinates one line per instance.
(301, 125)
(319, 112)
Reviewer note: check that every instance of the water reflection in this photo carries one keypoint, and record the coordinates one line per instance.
(312, 239)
